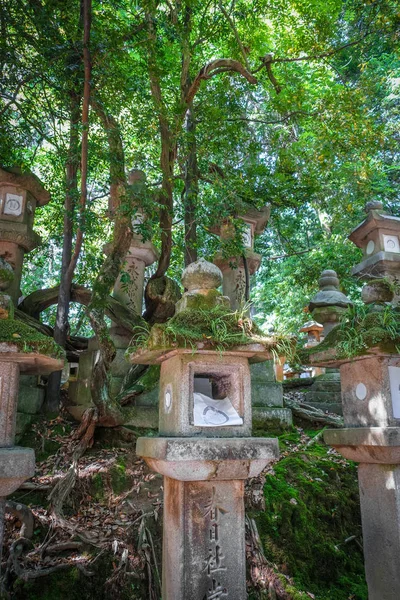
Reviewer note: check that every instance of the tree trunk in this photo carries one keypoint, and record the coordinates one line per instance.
(61, 327)
(191, 190)
(69, 259)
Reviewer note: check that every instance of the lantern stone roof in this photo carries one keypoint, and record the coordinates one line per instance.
(26, 180)
(377, 218)
(311, 326)
(329, 294)
(260, 217)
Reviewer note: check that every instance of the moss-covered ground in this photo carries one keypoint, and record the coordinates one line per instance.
(311, 526)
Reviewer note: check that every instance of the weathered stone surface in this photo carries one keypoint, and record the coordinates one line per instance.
(9, 375)
(267, 414)
(203, 541)
(366, 394)
(332, 407)
(145, 416)
(328, 397)
(380, 512)
(201, 275)
(380, 445)
(149, 398)
(194, 459)
(30, 396)
(234, 279)
(22, 424)
(16, 465)
(177, 382)
(265, 391)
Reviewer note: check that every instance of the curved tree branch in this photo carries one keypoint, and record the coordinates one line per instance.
(213, 68)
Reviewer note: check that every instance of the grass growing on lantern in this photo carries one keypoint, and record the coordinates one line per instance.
(360, 328)
(218, 328)
(27, 339)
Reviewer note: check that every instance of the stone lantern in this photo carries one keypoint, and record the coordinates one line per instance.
(370, 387)
(128, 289)
(327, 306)
(267, 396)
(234, 279)
(20, 194)
(329, 303)
(140, 255)
(313, 331)
(378, 236)
(22, 350)
(205, 453)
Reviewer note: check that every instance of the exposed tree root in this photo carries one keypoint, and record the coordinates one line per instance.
(305, 411)
(84, 436)
(262, 574)
(25, 515)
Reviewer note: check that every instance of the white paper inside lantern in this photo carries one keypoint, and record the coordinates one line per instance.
(394, 378)
(214, 413)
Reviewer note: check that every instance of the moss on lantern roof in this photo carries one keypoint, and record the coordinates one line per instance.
(27, 339)
(218, 328)
(359, 329)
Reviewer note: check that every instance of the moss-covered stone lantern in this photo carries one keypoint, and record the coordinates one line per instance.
(20, 193)
(365, 349)
(204, 449)
(378, 237)
(22, 350)
(233, 268)
(329, 303)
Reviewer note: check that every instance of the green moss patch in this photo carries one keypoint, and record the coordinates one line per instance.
(359, 329)
(218, 328)
(311, 527)
(27, 339)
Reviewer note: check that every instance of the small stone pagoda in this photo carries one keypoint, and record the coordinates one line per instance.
(22, 350)
(327, 306)
(204, 449)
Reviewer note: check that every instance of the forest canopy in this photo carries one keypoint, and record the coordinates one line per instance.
(221, 104)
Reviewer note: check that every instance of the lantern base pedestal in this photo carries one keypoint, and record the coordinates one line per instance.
(377, 449)
(379, 445)
(204, 526)
(380, 513)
